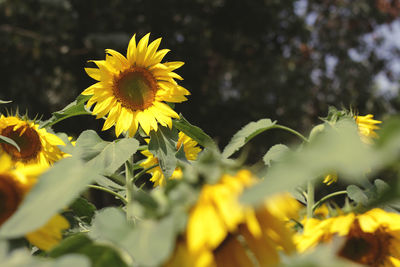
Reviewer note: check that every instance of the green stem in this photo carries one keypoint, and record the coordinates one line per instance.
(138, 175)
(143, 147)
(310, 199)
(325, 198)
(277, 126)
(109, 191)
(129, 192)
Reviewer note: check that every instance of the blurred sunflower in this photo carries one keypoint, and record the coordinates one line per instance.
(221, 231)
(371, 238)
(366, 127)
(132, 90)
(15, 183)
(36, 145)
(191, 151)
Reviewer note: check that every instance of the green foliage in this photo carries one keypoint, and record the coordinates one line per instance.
(163, 146)
(248, 132)
(83, 209)
(149, 243)
(107, 157)
(275, 153)
(23, 258)
(194, 132)
(6, 140)
(55, 189)
(100, 255)
(76, 108)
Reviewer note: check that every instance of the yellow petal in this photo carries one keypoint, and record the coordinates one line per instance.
(141, 50)
(131, 53)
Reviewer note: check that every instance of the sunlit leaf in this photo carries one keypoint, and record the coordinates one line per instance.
(194, 132)
(54, 190)
(5, 139)
(246, 134)
(100, 255)
(163, 146)
(76, 108)
(275, 153)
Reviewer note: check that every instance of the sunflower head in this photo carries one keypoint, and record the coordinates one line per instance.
(133, 90)
(36, 145)
(223, 232)
(371, 238)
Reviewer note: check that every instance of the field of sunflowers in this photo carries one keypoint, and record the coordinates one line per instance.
(182, 200)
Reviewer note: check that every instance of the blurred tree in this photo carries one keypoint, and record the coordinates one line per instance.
(245, 60)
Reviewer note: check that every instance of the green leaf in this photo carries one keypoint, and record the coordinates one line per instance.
(337, 148)
(107, 157)
(100, 255)
(275, 153)
(5, 139)
(83, 209)
(55, 190)
(76, 108)
(163, 146)
(246, 134)
(4, 101)
(23, 258)
(357, 194)
(194, 132)
(149, 242)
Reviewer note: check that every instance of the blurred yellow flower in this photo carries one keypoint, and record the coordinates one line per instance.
(36, 145)
(366, 127)
(15, 183)
(220, 230)
(132, 90)
(191, 151)
(371, 238)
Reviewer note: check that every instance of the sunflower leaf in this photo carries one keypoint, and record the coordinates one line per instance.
(55, 190)
(163, 146)
(275, 153)
(101, 255)
(194, 132)
(76, 108)
(246, 134)
(9, 141)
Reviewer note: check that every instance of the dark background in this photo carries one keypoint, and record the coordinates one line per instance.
(245, 60)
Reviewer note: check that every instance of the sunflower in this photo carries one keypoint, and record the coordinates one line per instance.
(366, 127)
(133, 90)
(371, 238)
(15, 183)
(191, 151)
(36, 145)
(220, 231)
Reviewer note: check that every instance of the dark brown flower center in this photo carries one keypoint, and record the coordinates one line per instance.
(366, 248)
(28, 142)
(10, 196)
(135, 88)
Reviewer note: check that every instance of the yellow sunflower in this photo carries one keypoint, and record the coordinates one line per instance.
(36, 145)
(191, 151)
(221, 231)
(133, 90)
(15, 183)
(372, 238)
(366, 127)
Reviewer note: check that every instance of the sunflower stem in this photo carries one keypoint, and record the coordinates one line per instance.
(109, 191)
(310, 198)
(302, 137)
(325, 198)
(129, 191)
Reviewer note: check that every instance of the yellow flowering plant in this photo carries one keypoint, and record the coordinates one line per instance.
(180, 200)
